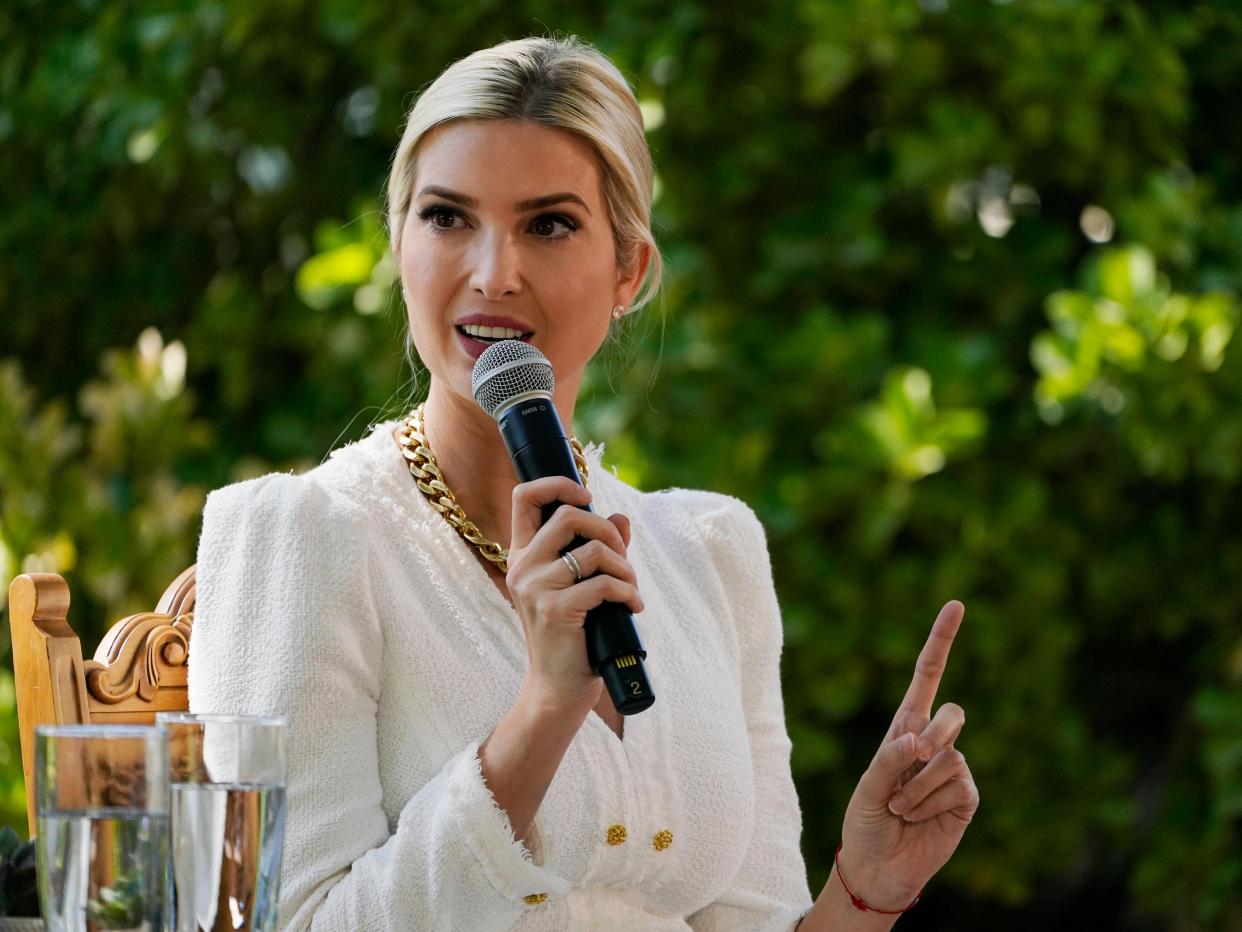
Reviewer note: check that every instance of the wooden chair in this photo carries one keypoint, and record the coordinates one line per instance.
(139, 668)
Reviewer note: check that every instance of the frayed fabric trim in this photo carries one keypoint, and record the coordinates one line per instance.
(487, 831)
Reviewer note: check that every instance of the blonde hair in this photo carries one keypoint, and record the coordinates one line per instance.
(565, 84)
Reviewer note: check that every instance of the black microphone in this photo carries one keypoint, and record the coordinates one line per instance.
(513, 382)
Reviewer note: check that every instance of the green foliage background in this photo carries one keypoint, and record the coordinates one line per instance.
(884, 327)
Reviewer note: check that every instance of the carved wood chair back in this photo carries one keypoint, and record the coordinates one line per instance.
(138, 669)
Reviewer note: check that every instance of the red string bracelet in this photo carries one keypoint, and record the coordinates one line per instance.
(859, 902)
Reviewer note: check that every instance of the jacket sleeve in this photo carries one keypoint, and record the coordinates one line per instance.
(285, 625)
(770, 891)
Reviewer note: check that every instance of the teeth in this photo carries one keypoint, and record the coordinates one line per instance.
(491, 333)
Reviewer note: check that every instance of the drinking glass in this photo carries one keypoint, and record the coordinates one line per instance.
(228, 820)
(101, 798)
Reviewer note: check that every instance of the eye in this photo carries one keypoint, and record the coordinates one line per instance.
(546, 226)
(440, 218)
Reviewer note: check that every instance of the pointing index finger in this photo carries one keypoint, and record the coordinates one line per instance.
(929, 668)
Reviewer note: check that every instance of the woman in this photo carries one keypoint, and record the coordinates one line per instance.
(454, 764)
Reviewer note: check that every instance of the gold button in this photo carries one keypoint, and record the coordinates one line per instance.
(617, 834)
(662, 839)
(535, 899)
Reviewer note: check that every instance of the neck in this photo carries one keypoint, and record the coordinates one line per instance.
(471, 454)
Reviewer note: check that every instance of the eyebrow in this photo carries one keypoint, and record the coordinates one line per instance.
(548, 200)
(534, 203)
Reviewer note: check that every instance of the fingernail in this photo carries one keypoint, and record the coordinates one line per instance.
(897, 805)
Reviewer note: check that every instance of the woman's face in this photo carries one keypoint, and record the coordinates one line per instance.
(507, 231)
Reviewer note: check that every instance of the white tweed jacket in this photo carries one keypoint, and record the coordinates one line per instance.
(341, 600)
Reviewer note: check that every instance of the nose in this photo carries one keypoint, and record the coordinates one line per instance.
(495, 266)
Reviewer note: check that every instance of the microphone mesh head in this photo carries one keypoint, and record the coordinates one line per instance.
(508, 369)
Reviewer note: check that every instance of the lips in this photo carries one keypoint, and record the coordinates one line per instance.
(476, 332)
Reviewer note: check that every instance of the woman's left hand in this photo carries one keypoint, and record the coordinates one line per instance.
(911, 807)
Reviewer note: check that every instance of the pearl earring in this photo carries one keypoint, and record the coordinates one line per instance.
(618, 312)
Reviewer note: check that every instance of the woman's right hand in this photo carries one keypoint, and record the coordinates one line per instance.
(551, 605)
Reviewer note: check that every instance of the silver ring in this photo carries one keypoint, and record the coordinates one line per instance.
(574, 566)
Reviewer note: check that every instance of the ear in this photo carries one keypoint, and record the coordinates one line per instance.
(630, 277)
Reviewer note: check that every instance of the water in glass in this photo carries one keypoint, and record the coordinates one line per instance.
(105, 869)
(226, 855)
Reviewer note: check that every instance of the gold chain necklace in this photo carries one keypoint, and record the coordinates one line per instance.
(430, 481)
